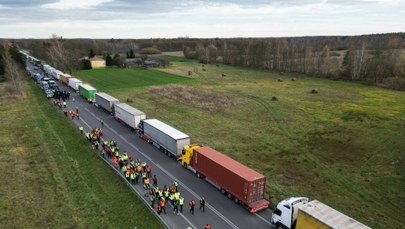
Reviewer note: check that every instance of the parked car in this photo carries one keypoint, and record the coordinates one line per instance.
(49, 94)
(52, 83)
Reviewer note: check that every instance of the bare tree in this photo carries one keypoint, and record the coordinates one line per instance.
(60, 57)
(13, 71)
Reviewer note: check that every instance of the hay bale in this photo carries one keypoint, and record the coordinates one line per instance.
(190, 73)
(203, 65)
(294, 79)
(223, 75)
(314, 91)
(129, 100)
(204, 69)
(280, 80)
(274, 98)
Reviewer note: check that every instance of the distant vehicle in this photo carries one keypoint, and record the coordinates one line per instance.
(125, 113)
(107, 102)
(46, 79)
(74, 83)
(36, 76)
(44, 85)
(52, 83)
(87, 91)
(298, 213)
(49, 94)
(64, 78)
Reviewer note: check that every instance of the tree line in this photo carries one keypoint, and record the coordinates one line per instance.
(12, 66)
(375, 59)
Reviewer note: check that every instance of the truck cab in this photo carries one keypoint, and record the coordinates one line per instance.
(286, 212)
(187, 154)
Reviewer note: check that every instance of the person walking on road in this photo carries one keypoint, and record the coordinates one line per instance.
(152, 200)
(191, 206)
(148, 171)
(181, 203)
(202, 204)
(176, 207)
(81, 130)
(208, 226)
(158, 209)
(154, 179)
(102, 122)
(162, 205)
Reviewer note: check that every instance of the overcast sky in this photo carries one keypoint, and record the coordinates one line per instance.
(195, 18)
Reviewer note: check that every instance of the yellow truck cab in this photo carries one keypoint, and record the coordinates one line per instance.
(187, 153)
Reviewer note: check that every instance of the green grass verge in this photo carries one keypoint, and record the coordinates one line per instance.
(51, 178)
(343, 146)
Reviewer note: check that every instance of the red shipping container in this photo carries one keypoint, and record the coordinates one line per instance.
(243, 183)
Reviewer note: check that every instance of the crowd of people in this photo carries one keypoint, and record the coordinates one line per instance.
(135, 171)
(138, 172)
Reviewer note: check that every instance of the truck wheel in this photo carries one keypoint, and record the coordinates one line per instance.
(229, 195)
(236, 200)
(223, 191)
(278, 226)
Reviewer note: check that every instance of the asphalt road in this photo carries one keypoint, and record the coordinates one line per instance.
(220, 212)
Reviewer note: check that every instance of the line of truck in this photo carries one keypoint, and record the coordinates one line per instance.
(240, 183)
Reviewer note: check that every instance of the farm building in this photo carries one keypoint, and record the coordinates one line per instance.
(97, 62)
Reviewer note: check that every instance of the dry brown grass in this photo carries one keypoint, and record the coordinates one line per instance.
(201, 98)
(179, 71)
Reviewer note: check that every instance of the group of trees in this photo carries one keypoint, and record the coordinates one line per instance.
(357, 59)
(114, 60)
(12, 67)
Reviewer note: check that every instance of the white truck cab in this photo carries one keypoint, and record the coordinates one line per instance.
(286, 212)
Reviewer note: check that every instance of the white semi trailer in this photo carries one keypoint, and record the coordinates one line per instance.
(168, 139)
(129, 115)
(105, 101)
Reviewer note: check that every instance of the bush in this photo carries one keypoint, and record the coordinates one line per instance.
(86, 64)
(397, 83)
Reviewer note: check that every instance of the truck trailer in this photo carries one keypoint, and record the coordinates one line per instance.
(74, 83)
(107, 102)
(239, 182)
(299, 213)
(168, 139)
(129, 115)
(64, 78)
(57, 74)
(87, 91)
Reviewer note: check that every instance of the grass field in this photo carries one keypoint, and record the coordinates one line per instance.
(51, 178)
(343, 146)
(126, 78)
